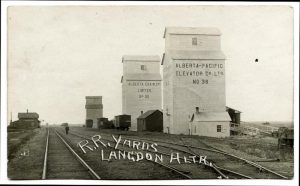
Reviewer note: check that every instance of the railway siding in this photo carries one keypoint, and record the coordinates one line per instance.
(199, 170)
(124, 168)
(98, 160)
(255, 170)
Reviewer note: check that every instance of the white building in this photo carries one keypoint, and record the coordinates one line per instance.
(194, 76)
(94, 110)
(213, 124)
(141, 86)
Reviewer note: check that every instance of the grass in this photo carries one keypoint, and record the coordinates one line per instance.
(263, 147)
(17, 138)
(28, 167)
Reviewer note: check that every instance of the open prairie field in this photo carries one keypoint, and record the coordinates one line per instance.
(288, 124)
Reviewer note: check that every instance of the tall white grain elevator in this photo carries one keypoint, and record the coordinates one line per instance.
(194, 77)
(141, 86)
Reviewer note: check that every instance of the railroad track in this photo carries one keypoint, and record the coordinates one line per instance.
(62, 162)
(181, 173)
(258, 167)
(213, 167)
(258, 170)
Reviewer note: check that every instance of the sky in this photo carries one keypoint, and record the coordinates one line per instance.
(59, 55)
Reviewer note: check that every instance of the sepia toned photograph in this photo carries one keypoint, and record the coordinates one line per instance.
(185, 92)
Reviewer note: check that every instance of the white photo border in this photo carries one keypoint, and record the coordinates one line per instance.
(4, 116)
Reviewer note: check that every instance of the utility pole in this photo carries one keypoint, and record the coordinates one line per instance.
(10, 117)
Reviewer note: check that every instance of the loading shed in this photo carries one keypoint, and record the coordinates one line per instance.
(234, 114)
(152, 120)
(235, 128)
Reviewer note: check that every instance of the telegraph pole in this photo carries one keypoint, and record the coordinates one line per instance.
(10, 117)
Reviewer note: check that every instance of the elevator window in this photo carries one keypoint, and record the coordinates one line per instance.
(219, 128)
(194, 41)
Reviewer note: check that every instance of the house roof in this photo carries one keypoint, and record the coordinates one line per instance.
(192, 31)
(236, 111)
(155, 58)
(123, 115)
(211, 116)
(142, 76)
(146, 114)
(28, 115)
(93, 97)
(185, 54)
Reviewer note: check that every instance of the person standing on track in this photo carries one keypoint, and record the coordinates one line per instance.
(67, 129)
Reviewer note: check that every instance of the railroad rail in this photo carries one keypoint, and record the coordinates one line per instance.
(89, 170)
(260, 167)
(45, 157)
(212, 166)
(215, 150)
(180, 172)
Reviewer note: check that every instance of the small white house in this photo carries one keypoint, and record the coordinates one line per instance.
(212, 124)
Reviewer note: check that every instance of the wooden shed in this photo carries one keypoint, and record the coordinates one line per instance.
(152, 120)
(285, 137)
